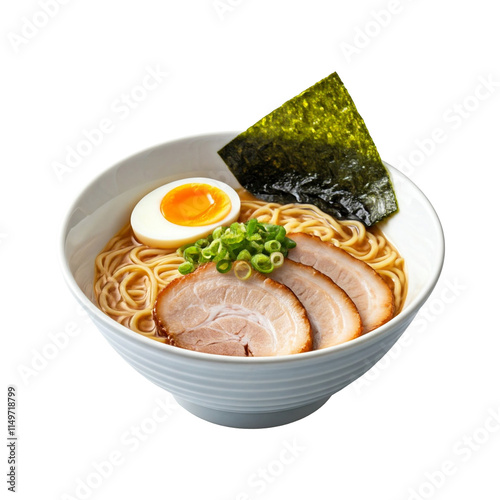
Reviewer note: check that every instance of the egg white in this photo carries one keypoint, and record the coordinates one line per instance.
(152, 229)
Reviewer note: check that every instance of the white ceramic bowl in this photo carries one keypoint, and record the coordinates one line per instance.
(234, 391)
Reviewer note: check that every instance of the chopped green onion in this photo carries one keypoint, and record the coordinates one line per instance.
(272, 246)
(256, 247)
(237, 227)
(215, 247)
(223, 266)
(262, 263)
(222, 255)
(180, 250)
(251, 227)
(244, 255)
(255, 237)
(192, 254)
(206, 253)
(232, 238)
(203, 260)
(202, 243)
(277, 259)
(262, 246)
(242, 270)
(217, 233)
(281, 233)
(186, 268)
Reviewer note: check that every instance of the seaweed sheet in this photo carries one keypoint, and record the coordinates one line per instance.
(315, 149)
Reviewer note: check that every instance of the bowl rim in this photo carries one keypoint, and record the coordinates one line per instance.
(381, 331)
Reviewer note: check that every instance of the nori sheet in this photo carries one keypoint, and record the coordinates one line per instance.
(315, 149)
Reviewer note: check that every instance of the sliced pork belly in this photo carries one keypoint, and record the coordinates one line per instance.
(369, 292)
(333, 315)
(220, 314)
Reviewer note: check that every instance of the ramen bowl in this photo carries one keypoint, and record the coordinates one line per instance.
(238, 391)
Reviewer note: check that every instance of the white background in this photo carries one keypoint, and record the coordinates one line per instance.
(421, 423)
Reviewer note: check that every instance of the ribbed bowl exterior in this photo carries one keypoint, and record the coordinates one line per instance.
(238, 386)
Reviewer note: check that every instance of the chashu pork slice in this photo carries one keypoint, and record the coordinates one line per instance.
(218, 313)
(333, 315)
(369, 292)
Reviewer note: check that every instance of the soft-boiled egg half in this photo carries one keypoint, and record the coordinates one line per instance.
(183, 211)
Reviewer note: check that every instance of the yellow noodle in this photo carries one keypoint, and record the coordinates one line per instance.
(129, 275)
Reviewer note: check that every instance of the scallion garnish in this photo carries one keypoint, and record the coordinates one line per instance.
(253, 244)
(277, 259)
(262, 263)
(242, 270)
(224, 266)
(272, 246)
(186, 267)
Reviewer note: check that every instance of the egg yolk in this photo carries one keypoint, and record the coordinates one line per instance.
(195, 204)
